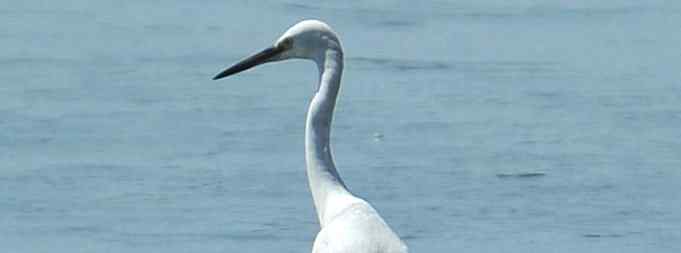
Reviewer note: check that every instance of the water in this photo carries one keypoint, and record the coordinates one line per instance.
(533, 126)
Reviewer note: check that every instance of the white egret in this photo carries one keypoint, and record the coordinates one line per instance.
(348, 223)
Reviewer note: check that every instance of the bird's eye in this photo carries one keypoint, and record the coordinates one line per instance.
(287, 43)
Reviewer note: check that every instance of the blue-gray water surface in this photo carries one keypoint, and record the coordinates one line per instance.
(481, 126)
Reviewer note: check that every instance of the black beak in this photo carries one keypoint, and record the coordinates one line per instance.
(252, 61)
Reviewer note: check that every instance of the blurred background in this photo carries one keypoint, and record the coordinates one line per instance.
(540, 126)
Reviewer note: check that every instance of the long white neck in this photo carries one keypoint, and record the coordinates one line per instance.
(322, 175)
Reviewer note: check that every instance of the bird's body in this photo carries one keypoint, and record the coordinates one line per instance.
(357, 228)
(348, 223)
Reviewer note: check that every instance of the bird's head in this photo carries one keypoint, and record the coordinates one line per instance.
(308, 39)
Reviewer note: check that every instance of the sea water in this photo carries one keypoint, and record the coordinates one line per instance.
(472, 126)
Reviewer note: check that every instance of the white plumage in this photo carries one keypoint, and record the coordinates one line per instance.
(348, 224)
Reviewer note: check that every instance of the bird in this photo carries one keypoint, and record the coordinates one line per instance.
(348, 224)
